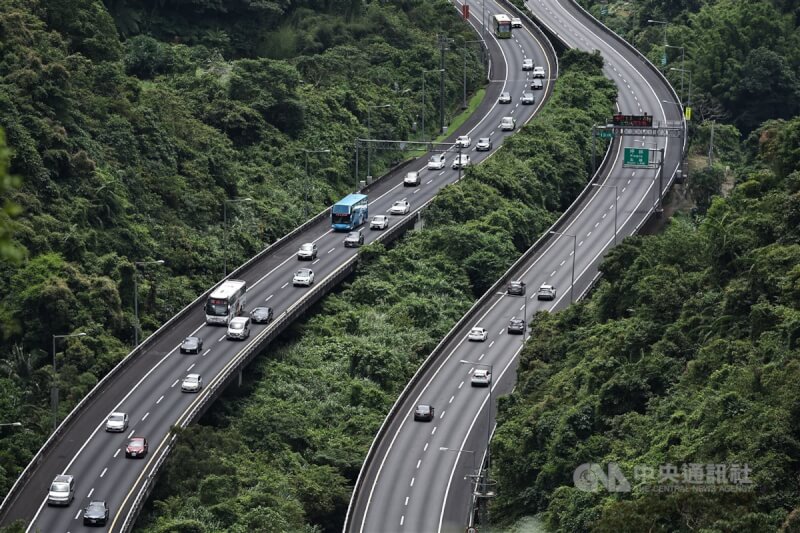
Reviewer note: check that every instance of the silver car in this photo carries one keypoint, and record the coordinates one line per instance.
(484, 144)
(192, 383)
(239, 328)
(307, 251)
(379, 222)
(546, 292)
(528, 98)
(117, 422)
(62, 490)
(505, 98)
(304, 276)
(481, 378)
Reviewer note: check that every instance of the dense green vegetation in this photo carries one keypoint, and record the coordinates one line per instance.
(286, 449)
(126, 142)
(743, 56)
(686, 353)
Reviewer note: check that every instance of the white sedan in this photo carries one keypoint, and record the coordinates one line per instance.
(538, 72)
(516, 22)
(477, 334)
(464, 141)
(192, 383)
(400, 207)
(379, 222)
(304, 276)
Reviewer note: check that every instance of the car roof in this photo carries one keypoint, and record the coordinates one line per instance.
(304, 271)
(307, 245)
(480, 371)
(474, 328)
(423, 407)
(239, 319)
(192, 376)
(117, 413)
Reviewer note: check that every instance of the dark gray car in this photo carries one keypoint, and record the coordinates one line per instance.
(261, 315)
(192, 345)
(95, 514)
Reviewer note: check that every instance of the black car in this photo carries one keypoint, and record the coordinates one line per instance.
(192, 345)
(536, 84)
(516, 326)
(261, 315)
(96, 514)
(423, 413)
(516, 288)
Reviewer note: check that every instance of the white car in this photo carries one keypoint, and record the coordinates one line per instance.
(508, 124)
(117, 422)
(481, 378)
(538, 72)
(477, 334)
(192, 383)
(516, 22)
(379, 222)
(412, 179)
(484, 144)
(400, 207)
(238, 328)
(304, 276)
(461, 162)
(464, 141)
(527, 64)
(505, 98)
(437, 162)
(528, 98)
(546, 292)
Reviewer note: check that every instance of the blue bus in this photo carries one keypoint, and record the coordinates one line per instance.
(349, 212)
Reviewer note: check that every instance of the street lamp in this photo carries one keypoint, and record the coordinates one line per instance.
(136, 265)
(369, 135)
(574, 253)
(683, 62)
(464, 50)
(308, 178)
(615, 206)
(459, 450)
(225, 246)
(54, 391)
(664, 23)
(15, 424)
(689, 72)
(488, 412)
(423, 97)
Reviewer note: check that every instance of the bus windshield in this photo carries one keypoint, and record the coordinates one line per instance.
(340, 218)
(217, 307)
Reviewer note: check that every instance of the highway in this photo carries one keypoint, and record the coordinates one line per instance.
(416, 477)
(148, 388)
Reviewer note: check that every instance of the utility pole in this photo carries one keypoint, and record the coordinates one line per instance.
(442, 47)
(711, 147)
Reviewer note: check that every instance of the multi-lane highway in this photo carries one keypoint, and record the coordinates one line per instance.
(416, 477)
(148, 388)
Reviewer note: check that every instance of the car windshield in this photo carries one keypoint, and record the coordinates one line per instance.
(97, 507)
(236, 325)
(59, 487)
(136, 442)
(307, 247)
(189, 340)
(302, 273)
(191, 379)
(116, 418)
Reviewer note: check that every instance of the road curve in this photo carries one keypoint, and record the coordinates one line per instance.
(148, 386)
(418, 476)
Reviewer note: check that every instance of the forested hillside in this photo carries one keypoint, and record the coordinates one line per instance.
(286, 449)
(682, 366)
(128, 124)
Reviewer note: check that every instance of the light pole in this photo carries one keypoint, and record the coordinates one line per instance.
(689, 72)
(423, 97)
(663, 23)
(308, 178)
(683, 63)
(574, 253)
(18, 424)
(464, 50)
(488, 412)
(369, 135)
(225, 246)
(615, 206)
(459, 450)
(136, 265)
(54, 392)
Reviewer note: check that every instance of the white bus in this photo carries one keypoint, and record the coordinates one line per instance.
(227, 301)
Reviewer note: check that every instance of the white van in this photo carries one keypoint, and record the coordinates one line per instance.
(239, 328)
(62, 490)
(508, 124)
(437, 162)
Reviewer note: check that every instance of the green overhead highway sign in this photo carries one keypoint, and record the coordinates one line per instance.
(637, 157)
(605, 134)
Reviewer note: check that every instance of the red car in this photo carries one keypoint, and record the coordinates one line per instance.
(137, 447)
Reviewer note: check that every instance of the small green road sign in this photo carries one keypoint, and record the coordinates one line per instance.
(604, 9)
(637, 157)
(605, 134)
(664, 59)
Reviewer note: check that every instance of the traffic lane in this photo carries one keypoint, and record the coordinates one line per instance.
(450, 392)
